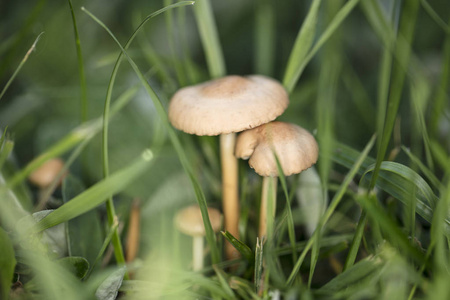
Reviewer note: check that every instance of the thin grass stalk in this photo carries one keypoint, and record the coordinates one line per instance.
(24, 60)
(83, 89)
(210, 38)
(118, 249)
(264, 37)
(173, 137)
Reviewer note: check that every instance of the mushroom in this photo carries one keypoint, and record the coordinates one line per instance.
(296, 149)
(44, 176)
(189, 221)
(223, 107)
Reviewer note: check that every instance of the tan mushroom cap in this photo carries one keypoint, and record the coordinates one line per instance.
(226, 105)
(189, 220)
(45, 174)
(296, 148)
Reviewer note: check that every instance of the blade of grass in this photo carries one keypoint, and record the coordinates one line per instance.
(7, 263)
(24, 60)
(258, 264)
(210, 237)
(402, 54)
(98, 193)
(435, 16)
(83, 96)
(427, 172)
(290, 219)
(118, 250)
(303, 43)
(265, 37)
(334, 203)
(210, 38)
(290, 81)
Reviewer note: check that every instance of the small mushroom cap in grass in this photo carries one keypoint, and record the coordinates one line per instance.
(189, 220)
(226, 105)
(45, 174)
(296, 148)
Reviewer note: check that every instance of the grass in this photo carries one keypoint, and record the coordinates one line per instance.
(368, 78)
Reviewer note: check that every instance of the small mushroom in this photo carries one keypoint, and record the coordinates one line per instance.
(296, 149)
(44, 176)
(223, 107)
(189, 221)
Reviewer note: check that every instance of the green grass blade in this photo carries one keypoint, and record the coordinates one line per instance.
(303, 43)
(7, 264)
(258, 264)
(83, 89)
(210, 38)
(240, 246)
(265, 38)
(98, 193)
(24, 60)
(5, 152)
(435, 16)
(331, 208)
(427, 172)
(290, 81)
(210, 236)
(389, 227)
(402, 53)
(356, 242)
(290, 219)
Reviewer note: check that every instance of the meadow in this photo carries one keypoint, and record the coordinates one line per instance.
(89, 83)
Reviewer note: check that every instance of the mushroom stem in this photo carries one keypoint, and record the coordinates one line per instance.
(197, 253)
(230, 190)
(269, 192)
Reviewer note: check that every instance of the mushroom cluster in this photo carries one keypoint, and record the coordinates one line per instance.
(223, 107)
(248, 104)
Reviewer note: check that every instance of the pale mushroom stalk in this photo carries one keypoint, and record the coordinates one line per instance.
(269, 192)
(230, 189)
(197, 253)
(189, 221)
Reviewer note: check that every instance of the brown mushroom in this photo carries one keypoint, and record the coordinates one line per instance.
(222, 107)
(189, 221)
(295, 148)
(46, 173)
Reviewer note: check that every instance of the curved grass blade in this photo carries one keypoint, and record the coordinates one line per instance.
(290, 81)
(210, 237)
(24, 60)
(98, 193)
(210, 38)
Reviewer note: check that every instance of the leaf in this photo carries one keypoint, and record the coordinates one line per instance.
(84, 232)
(258, 264)
(240, 246)
(303, 43)
(98, 193)
(76, 265)
(7, 264)
(109, 288)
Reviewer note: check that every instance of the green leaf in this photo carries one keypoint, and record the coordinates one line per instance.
(303, 43)
(224, 282)
(210, 38)
(78, 266)
(259, 265)
(240, 246)
(7, 264)
(109, 288)
(83, 232)
(98, 193)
